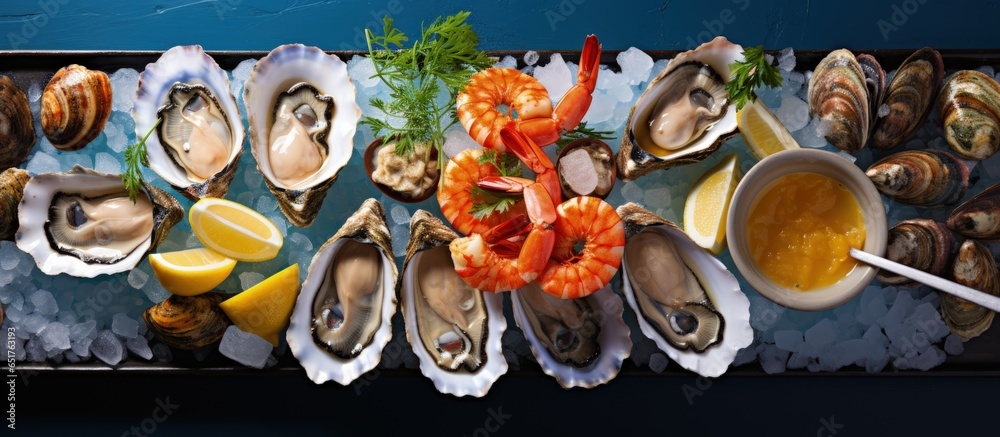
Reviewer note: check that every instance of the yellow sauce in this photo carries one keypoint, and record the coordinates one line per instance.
(801, 231)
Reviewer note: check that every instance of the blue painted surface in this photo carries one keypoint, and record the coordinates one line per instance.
(502, 24)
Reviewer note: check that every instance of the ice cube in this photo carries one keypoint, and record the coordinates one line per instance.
(124, 84)
(266, 203)
(953, 345)
(139, 347)
(658, 362)
(986, 69)
(83, 330)
(578, 171)
(786, 59)
(55, 336)
(105, 163)
(929, 359)
(530, 57)
(458, 140)
(400, 215)
(34, 350)
(635, 64)
(137, 278)
(601, 108)
(42, 163)
(400, 235)
(555, 77)
(10, 256)
(361, 69)
(44, 303)
(82, 347)
(249, 279)
(301, 241)
(883, 110)
(34, 92)
(106, 347)
(245, 348)
(901, 308)
(745, 356)
(789, 340)
(124, 326)
(793, 113)
(632, 192)
(823, 333)
(34, 323)
(507, 62)
(928, 320)
(772, 359)
(656, 198)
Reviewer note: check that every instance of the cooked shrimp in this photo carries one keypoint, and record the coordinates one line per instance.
(460, 176)
(590, 240)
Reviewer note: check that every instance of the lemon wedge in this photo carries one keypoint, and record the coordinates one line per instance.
(707, 205)
(191, 272)
(234, 230)
(764, 134)
(265, 309)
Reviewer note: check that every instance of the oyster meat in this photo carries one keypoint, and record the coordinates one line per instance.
(342, 317)
(198, 143)
(684, 298)
(17, 136)
(454, 329)
(302, 114)
(76, 104)
(83, 223)
(974, 267)
(969, 110)
(925, 178)
(684, 115)
(580, 342)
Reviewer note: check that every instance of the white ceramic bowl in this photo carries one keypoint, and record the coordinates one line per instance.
(811, 161)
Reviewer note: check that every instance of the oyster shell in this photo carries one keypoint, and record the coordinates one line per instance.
(197, 146)
(923, 244)
(700, 320)
(974, 267)
(978, 217)
(302, 113)
(969, 107)
(18, 135)
(580, 342)
(82, 222)
(845, 92)
(693, 87)
(75, 105)
(925, 178)
(188, 322)
(12, 183)
(342, 317)
(909, 96)
(454, 330)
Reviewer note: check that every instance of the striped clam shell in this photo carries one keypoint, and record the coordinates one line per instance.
(75, 105)
(188, 322)
(909, 97)
(969, 109)
(923, 244)
(12, 183)
(978, 217)
(921, 177)
(18, 136)
(841, 93)
(974, 267)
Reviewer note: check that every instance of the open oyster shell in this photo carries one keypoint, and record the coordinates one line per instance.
(706, 320)
(302, 114)
(82, 222)
(579, 342)
(197, 146)
(342, 318)
(454, 330)
(693, 85)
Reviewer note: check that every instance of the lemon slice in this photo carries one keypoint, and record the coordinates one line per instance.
(234, 230)
(265, 309)
(191, 272)
(762, 131)
(707, 205)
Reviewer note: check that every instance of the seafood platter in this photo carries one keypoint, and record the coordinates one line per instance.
(493, 213)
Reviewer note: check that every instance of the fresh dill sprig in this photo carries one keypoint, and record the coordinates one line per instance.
(135, 155)
(754, 71)
(582, 131)
(443, 59)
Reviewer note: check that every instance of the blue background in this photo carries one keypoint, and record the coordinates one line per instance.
(252, 404)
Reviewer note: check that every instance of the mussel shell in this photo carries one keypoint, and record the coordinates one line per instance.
(974, 267)
(839, 93)
(18, 136)
(875, 83)
(923, 244)
(926, 178)
(75, 105)
(969, 109)
(978, 217)
(188, 322)
(12, 183)
(909, 97)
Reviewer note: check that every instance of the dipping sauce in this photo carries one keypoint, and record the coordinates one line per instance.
(801, 230)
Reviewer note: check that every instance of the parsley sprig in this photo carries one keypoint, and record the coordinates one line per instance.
(135, 155)
(754, 71)
(444, 58)
(486, 203)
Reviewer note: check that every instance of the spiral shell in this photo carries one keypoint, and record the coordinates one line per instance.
(75, 105)
(923, 244)
(969, 108)
(12, 183)
(974, 267)
(18, 136)
(188, 322)
(921, 177)
(844, 92)
(909, 97)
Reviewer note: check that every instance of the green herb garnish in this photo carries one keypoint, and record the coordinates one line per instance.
(134, 156)
(582, 131)
(444, 58)
(485, 203)
(505, 163)
(754, 71)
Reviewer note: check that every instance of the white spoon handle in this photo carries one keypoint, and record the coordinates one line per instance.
(952, 288)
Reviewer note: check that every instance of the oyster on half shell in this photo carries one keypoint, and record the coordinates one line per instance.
(342, 318)
(199, 141)
(83, 223)
(454, 329)
(684, 298)
(684, 115)
(302, 114)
